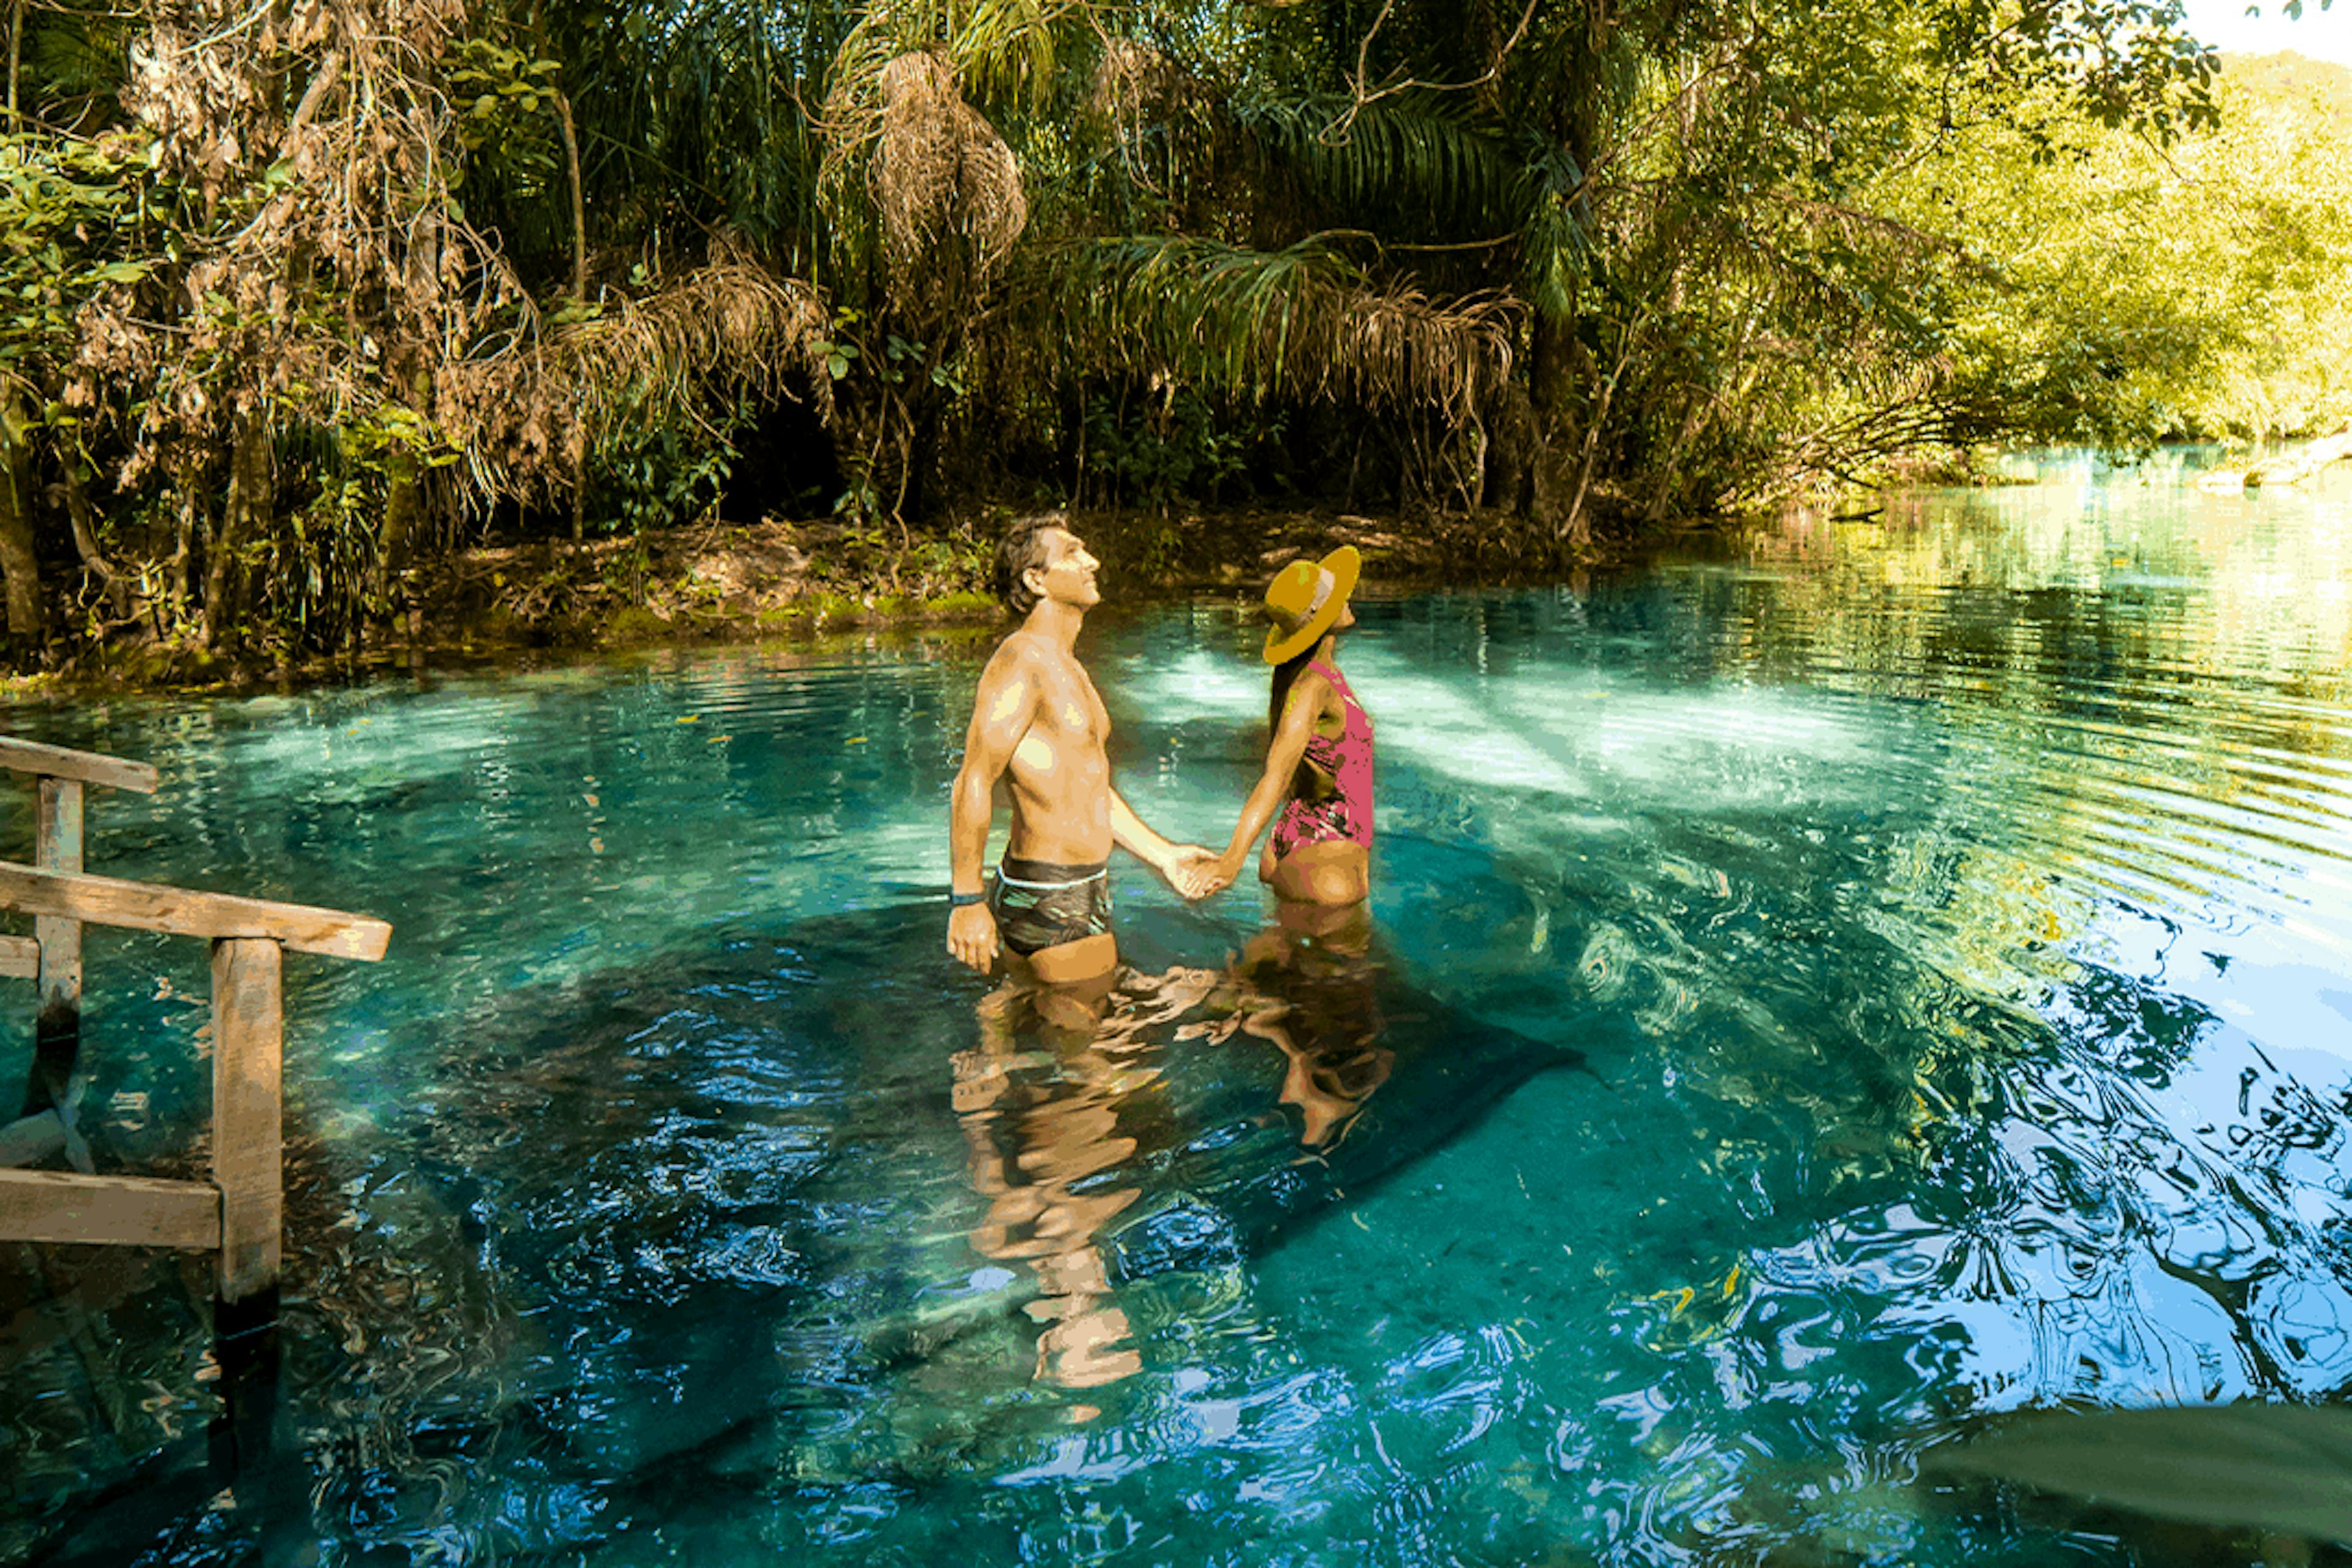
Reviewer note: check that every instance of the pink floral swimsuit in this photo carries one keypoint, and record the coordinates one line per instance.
(1347, 813)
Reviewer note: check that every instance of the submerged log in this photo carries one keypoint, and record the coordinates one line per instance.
(2295, 467)
(2290, 468)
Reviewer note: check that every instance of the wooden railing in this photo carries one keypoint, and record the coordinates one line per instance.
(239, 1213)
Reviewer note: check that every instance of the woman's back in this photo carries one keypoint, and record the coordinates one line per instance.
(1345, 760)
(1320, 847)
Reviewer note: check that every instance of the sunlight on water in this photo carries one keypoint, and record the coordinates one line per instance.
(1822, 992)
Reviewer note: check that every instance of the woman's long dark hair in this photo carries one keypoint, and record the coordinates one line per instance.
(1305, 783)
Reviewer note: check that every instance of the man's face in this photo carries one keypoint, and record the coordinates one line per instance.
(1068, 575)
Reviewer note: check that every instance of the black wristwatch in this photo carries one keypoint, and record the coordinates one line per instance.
(958, 900)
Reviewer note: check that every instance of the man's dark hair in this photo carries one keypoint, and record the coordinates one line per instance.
(1023, 546)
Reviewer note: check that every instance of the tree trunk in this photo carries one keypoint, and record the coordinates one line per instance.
(579, 295)
(1542, 449)
(247, 517)
(404, 501)
(1546, 460)
(84, 519)
(188, 485)
(15, 57)
(1553, 359)
(579, 203)
(19, 558)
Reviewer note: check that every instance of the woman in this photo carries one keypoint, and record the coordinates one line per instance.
(1317, 789)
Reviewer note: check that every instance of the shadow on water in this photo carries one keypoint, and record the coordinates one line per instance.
(809, 1206)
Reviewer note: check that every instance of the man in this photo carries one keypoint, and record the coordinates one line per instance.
(1038, 719)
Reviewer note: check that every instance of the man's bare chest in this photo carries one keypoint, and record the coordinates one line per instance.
(1068, 726)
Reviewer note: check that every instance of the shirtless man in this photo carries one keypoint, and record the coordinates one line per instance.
(1038, 719)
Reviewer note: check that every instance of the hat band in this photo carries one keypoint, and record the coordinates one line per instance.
(1324, 584)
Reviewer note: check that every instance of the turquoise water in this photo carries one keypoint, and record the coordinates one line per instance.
(1827, 990)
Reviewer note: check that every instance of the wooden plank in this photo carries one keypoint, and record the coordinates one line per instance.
(90, 767)
(149, 906)
(57, 1024)
(20, 957)
(31, 1138)
(248, 1039)
(131, 1211)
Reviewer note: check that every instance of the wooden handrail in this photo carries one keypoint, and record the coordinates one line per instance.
(90, 767)
(149, 906)
(240, 1214)
(134, 1211)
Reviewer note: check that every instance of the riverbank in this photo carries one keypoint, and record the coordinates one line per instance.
(717, 583)
(729, 582)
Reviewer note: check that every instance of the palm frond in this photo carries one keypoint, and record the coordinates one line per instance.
(944, 184)
(732, 326)
(1415, 164)
(1300, 323)
(1006, 51)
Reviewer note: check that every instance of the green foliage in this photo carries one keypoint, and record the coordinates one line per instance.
(1168, 447)
(2122, 294)
(69, 208)
(655, 474)
(1417, 166)
(1643, 260)
(504, 101)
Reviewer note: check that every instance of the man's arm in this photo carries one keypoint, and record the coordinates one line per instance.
(1001, 711)
(1129, 833)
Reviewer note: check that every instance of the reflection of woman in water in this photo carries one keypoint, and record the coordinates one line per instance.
(1307, 986)
(1317, 789)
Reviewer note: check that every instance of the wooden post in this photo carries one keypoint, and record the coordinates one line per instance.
(57, 1029)
(247, 1045)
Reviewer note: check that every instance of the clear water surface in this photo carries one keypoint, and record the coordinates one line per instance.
(1826, 992)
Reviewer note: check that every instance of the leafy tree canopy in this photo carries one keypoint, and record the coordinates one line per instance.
(303, 289)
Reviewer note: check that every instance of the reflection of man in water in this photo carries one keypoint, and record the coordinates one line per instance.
(1038, 721)
(1047, 1126)
(1065, 1113)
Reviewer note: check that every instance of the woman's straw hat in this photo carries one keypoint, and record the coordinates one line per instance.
(1305, 599)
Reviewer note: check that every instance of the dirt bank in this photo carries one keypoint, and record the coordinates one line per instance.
(719, 582)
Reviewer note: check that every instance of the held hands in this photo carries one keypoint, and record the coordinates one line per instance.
(1198, 873)
(971, 936)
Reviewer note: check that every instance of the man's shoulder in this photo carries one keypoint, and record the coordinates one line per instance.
(1014, 655)
(1025, 663)
(1020, 654)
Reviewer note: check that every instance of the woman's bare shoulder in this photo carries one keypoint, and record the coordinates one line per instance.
(1312, 689)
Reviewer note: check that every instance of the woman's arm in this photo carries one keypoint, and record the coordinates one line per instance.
(1283, 755)
(1132, 834)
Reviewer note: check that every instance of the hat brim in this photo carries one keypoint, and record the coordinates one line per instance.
(1343, 563)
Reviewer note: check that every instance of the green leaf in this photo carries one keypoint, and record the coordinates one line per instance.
(2285, 1467)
